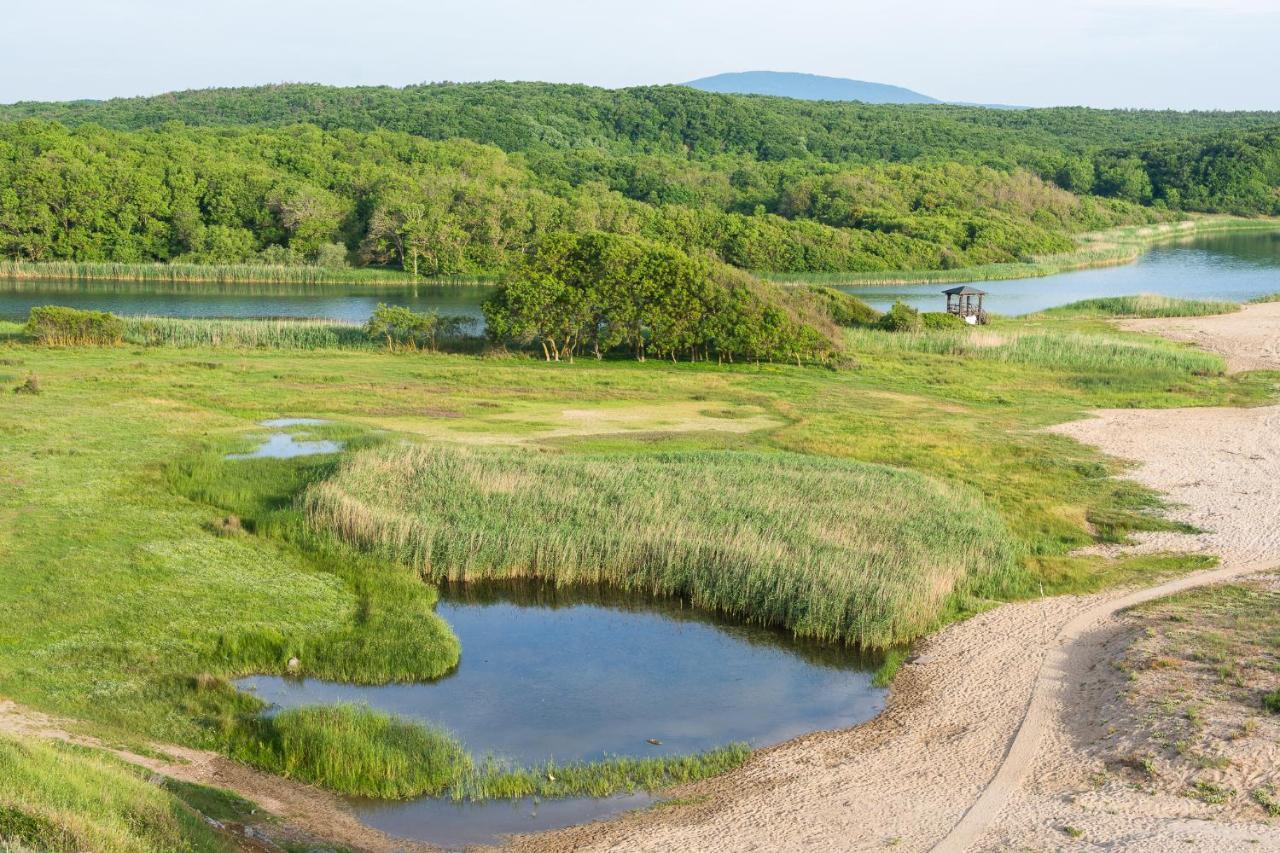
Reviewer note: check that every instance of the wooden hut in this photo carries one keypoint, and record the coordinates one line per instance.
(960, 301)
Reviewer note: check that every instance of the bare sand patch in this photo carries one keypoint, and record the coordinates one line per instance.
(1248, 339)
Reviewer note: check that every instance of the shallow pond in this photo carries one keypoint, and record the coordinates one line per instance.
(287, 445)
(581, 676)
(1236, 267)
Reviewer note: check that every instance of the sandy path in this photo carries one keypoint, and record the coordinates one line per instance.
(990, 701)
(307, 812)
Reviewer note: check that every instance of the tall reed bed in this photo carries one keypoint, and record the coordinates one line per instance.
(830, 549)
(1098, 353)
(224, 273)
(1144, 305)
(259, 334)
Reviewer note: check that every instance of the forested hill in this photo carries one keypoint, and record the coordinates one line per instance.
(447, 179)
(669, 119)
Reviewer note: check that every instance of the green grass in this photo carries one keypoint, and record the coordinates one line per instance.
(834, 550)
(356, 750)
(60, 798)
(122, 606)
(1144, 305)
(214, 273)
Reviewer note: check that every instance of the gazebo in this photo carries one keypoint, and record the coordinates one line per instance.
(960, 303)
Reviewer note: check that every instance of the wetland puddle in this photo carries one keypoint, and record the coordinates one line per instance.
(286, 445)
(547, 674)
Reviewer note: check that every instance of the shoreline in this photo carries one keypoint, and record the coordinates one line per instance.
(1098, 249)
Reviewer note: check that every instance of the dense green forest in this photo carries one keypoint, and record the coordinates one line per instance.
(462, 179)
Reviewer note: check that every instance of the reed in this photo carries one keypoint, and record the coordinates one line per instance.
(1098, 353)
(222, 274)
(356, 750)
(1144, 305)
(834, 550)
(253, 334)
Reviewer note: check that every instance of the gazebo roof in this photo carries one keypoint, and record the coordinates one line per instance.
(964, 290)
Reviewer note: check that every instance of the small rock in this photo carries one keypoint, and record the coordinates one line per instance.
(293, 664)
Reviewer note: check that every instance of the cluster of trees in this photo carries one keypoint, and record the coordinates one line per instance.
(298, 195)
(597, 293)
(639, 140)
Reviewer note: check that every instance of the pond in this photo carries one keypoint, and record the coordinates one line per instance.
(1235, 267)
(582, 675)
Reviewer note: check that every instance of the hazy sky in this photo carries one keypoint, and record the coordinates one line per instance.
(1138, 53)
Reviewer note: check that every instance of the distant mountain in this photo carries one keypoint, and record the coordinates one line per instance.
(809, 87)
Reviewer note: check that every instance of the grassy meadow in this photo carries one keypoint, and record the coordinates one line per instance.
(140, 570)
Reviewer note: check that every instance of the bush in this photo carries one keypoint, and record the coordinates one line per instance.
(844, 308)
(30, 386)
(939, 320)
(901, 318)
(401, 327)
(1271, 701)
(58, 326)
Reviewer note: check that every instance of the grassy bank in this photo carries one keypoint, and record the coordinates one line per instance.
(58, 797)
(214, 273)
(1146, 305)
(1112, 247)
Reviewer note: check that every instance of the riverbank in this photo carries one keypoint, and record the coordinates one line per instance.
(1113, 247)
(1097, 249)
(988, 704)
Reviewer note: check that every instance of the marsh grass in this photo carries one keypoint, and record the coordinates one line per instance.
(358, 751)
(254, 334)
(1099, 353)
(1146, 305)
(222, 274)
(833, 550)
(62, 798)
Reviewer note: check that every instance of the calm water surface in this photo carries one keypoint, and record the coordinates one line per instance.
(1233, 267)
(1236, 268)
(581, 676)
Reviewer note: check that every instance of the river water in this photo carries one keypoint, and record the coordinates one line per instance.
(1235, 267)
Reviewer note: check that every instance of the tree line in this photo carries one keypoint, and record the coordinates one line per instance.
(302, 195)
(583, 134)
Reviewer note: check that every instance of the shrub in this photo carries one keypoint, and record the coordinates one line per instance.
(401, 327)
(1271, 701)
(30, 386)
(901, 318)
(58, 326)
(845, 309)
(936, 320)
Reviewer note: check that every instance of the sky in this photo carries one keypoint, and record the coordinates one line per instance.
(1183, 54)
